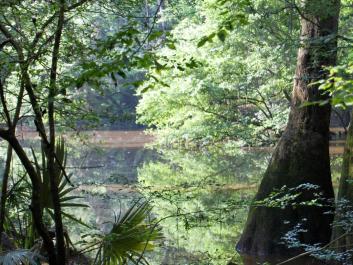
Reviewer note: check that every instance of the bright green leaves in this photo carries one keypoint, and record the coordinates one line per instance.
(339, 85)
(217, 87)
(221, 34)
(171, 45)
(205, 39)
(231, 14)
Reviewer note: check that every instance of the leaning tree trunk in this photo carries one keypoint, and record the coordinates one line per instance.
(302, 154)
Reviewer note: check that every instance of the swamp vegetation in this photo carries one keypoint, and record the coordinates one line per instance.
(176, 132)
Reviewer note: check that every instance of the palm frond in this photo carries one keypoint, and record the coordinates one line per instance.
(65, 188)
(129, 237)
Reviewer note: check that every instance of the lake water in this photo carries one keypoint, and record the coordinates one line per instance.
(202, 197)
(205, 193)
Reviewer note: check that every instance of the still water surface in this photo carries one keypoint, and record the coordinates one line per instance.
(202, 197)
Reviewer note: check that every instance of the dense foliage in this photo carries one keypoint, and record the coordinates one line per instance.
(213, 76)
(216, 84)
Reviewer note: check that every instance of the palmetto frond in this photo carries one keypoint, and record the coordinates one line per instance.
(66, 200)
(129, 238)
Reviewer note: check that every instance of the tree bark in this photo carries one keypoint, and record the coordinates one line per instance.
(302, 154)
(52, 167)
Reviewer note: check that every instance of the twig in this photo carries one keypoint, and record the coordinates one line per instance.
(151, 29)
(313, 251)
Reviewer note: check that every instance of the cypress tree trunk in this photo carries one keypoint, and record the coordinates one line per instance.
(302, 154)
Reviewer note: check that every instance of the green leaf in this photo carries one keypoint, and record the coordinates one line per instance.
(171, 45)
(129, 237)
(121, 73)
(205, 39)
(73, 218)
(222, 34)
(155, 35)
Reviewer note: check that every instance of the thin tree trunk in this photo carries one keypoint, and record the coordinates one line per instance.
(344, 241)
(12, 126)
(35, 206)
(4, 189)
(9, 136)
(52, 167)
(302, 154)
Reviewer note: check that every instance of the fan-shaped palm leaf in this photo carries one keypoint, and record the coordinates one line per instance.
(64, 183)
(129, 238)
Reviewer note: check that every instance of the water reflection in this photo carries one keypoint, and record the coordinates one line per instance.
(205, 194)
(108, 165)
(201, 197)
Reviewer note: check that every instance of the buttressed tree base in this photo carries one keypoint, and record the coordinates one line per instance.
(302, 154)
